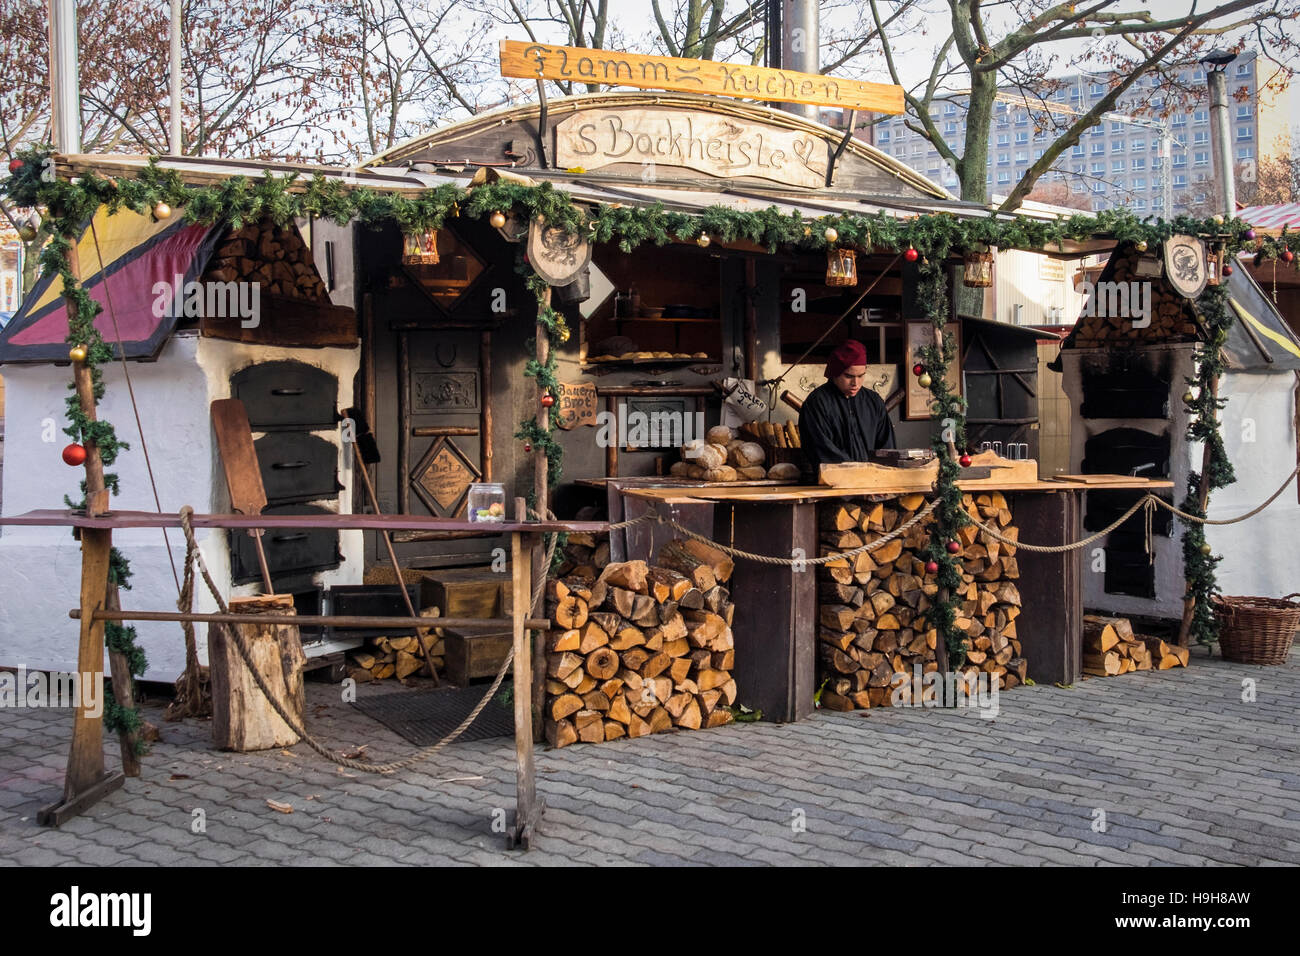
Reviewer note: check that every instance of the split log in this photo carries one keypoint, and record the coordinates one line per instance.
(242, 719)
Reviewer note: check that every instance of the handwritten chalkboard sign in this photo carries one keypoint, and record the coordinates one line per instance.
(575, 405)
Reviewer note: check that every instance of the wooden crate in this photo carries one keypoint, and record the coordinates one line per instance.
(473, 655)
(467, 592)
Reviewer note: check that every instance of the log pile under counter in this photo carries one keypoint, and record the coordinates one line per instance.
(873, 629)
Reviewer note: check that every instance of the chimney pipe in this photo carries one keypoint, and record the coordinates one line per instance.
(65, 87)
(800, 45)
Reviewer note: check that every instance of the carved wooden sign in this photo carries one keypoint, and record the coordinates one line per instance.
(690, 139)
(536, 61)
(555, 255)
(575, 405)
(1185, 265)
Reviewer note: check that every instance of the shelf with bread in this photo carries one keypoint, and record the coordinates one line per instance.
(725, 455)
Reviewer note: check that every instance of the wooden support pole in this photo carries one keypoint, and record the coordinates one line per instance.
(541, 493)
(528, 809)
(123, 690)
(1202, 501)
(85, 779)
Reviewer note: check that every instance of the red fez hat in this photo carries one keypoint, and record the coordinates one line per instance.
(848, 353)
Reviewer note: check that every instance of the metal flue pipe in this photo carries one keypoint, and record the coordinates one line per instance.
(65, 85)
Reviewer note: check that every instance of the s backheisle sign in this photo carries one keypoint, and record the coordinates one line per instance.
(691, 139)
(539, 61)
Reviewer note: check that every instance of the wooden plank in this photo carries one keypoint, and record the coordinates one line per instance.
(1051, 625)
(288, 322)
(532, 61)
(527, 808)
(238, 457)
(363, 522)
(86, 759)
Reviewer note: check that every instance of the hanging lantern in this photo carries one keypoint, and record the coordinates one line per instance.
(977, 269)
(420, 248)
(841, 267)
(1213, 262)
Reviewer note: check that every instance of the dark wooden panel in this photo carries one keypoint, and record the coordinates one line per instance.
(290, 323)
(287, 396)
(297, 466)
(1050, 626)
(776, 608)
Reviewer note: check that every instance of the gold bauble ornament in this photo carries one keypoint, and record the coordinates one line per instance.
(703, 241)
(831, 234)
(562, 334)
(1206, 549)
(77, 353)
(498, 219)
(1188, 397)
(27, 232)
(162, 211)
(1141, 245)
(925, 380)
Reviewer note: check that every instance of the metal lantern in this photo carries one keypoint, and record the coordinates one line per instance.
(420, 248)
(841, 267)
(1213, 266)
(977, 270)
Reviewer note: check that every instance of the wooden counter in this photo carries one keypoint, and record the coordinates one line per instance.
(776, 614)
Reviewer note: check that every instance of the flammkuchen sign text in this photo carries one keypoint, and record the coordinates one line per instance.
(537, 61)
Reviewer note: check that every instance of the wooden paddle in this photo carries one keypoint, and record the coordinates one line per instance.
(243, 474)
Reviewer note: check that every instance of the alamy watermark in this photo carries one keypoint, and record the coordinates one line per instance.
(967, 689)
(212, 300)
(41, 689)
(655, 429)
(1121, 300)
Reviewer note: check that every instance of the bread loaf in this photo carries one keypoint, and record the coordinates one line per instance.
(752, 473)
(784, 471)
(746, 454)
(721, 473)
(720, 435)
(712, 456)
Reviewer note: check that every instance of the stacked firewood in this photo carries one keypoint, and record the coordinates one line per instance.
(274, 256)
(1110, 648)
(1171, 314)
(641, 650)
(873, 606)
(399, 657)
(585, 555)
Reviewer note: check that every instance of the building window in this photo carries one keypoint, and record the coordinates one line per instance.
(1022, 156)
(1243, 69)
(1004, 139)
(1098, 168)
(1140, 204)
(1244, 111)
(1117, 146)
(1099, 149)
(1022, 138)
(1116, 127)
(1243, 132)
(1074, 93)
(884, 136)
(1157, 162)
(1138, 145)
(1246, 152)
(1180, 119)
(1139, 182)
(1077, 188)
(1004, 159)
(1200, 116)
(1198, 76)
(1180, 160)
(1201, 158)
(1180, 180)
(1022, 119)
(1004, 177)
(1200, 137)
(949, 109)
(1096, 89)
(1200, 197)
(950, 127)
(1158, 202)
(1038, 154)
(1078, 150)
(1097, 131)
(1117, 166)
(1138, 163)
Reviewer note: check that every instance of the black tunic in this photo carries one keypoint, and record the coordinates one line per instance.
(834, 428)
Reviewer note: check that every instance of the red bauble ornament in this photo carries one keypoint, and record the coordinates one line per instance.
(1227, 269)
(932, 567)
(527, 446)
(918, 368)
(911, 255)
(74, 454)
(954, 547)
(965, 461)
(548, 400)
(15, 165)
(1287, 255)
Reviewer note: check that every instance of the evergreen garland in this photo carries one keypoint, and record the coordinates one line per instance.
(936, 236)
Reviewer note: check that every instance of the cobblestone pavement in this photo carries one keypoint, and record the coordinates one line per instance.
(1185, 771)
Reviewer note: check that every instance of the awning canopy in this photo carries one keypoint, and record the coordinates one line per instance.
(123, 257)
(1272, 218)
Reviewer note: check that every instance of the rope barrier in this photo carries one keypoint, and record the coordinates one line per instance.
(193, 554)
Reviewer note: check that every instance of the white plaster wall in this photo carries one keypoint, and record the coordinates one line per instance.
(1259, 554)
(40, 567)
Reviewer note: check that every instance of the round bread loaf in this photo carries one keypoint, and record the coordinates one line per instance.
(720, 435)
(721, 473)
(752, 473)
(746, 454)
(784, 471)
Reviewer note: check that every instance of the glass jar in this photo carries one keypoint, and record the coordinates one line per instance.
(487, 501)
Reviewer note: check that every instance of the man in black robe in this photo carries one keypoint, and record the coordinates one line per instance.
(844, 420)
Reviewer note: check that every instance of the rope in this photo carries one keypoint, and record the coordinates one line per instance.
(1249, 514)
(192, 553)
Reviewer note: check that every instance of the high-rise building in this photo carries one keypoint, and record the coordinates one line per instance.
(1118, 163)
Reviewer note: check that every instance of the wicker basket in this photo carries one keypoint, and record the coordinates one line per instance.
(1256, 630)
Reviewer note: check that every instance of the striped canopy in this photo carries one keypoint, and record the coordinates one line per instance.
(1272, 218)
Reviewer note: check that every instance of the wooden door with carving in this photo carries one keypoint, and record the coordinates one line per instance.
(442, 448)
